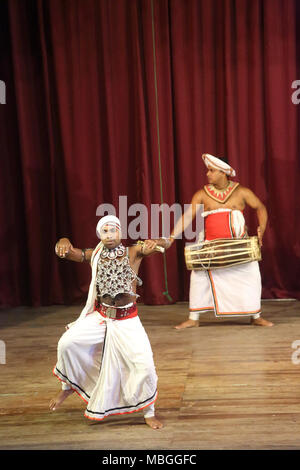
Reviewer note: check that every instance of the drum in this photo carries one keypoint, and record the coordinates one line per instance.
(222, 253)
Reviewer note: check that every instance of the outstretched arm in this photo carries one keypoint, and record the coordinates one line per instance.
(262, 215)
(148, 247)
(188, 216)
(64, 249)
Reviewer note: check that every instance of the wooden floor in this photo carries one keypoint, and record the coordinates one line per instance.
(224, 385)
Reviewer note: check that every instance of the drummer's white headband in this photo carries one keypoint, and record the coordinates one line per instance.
(218, 164)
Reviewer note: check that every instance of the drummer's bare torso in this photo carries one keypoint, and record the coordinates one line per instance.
(237, 200)
(234, 195)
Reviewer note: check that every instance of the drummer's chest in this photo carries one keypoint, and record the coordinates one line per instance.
(233, 203)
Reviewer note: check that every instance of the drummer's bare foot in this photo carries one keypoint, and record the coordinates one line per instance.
(57, 401)
(260, 322)
(154, 423)
(187, 324)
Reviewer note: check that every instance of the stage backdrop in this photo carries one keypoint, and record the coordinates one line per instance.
(110, 98)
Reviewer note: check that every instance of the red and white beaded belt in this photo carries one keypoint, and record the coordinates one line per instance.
(117, 313)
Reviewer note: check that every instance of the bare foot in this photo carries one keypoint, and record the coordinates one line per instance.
(261, 322)
(154, 423)
(57, 401)
(187, 324)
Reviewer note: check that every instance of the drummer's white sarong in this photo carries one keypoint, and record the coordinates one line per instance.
(109, 363)
(230, 291)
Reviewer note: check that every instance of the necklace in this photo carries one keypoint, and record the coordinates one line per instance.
(220, 195)
(114, 253)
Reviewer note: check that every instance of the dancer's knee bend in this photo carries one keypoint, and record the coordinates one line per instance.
(65, 343)
(146, 369)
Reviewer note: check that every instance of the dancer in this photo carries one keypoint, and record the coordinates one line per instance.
(105, 355)
(230, 291)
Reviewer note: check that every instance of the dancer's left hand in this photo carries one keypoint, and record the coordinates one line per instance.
(149, 247)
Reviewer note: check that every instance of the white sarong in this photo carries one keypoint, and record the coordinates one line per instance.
(230, 291)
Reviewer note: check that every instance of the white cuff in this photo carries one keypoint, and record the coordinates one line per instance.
(257, 315)
(194, 316)
(65, 386)
(149, 411)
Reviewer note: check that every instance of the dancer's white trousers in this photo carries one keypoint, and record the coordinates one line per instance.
(109, 363)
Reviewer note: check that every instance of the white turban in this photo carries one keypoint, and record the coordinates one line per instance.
(108, 220)
(218, 164)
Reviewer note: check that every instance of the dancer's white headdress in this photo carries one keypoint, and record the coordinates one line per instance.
(218, 164)
(108, 220)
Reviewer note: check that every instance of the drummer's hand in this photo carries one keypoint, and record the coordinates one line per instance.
(149, 247)
(259, 236)
(63, 247)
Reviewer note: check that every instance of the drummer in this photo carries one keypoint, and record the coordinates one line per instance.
(233, 291)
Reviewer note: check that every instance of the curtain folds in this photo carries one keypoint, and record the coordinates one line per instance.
(120, 98)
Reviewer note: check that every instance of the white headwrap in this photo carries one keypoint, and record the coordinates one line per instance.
(108, 220)
(218, 164)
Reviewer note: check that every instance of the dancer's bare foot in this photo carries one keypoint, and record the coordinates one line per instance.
(187, 324)
(57, 401)
(154, 423)
(261, 322)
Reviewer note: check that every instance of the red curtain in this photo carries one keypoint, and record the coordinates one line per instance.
(109, 98)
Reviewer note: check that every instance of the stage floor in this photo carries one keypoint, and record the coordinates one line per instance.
(224, 385)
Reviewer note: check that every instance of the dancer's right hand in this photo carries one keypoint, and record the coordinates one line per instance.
(63, 247)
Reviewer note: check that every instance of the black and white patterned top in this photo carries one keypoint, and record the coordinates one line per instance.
(114, 273)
